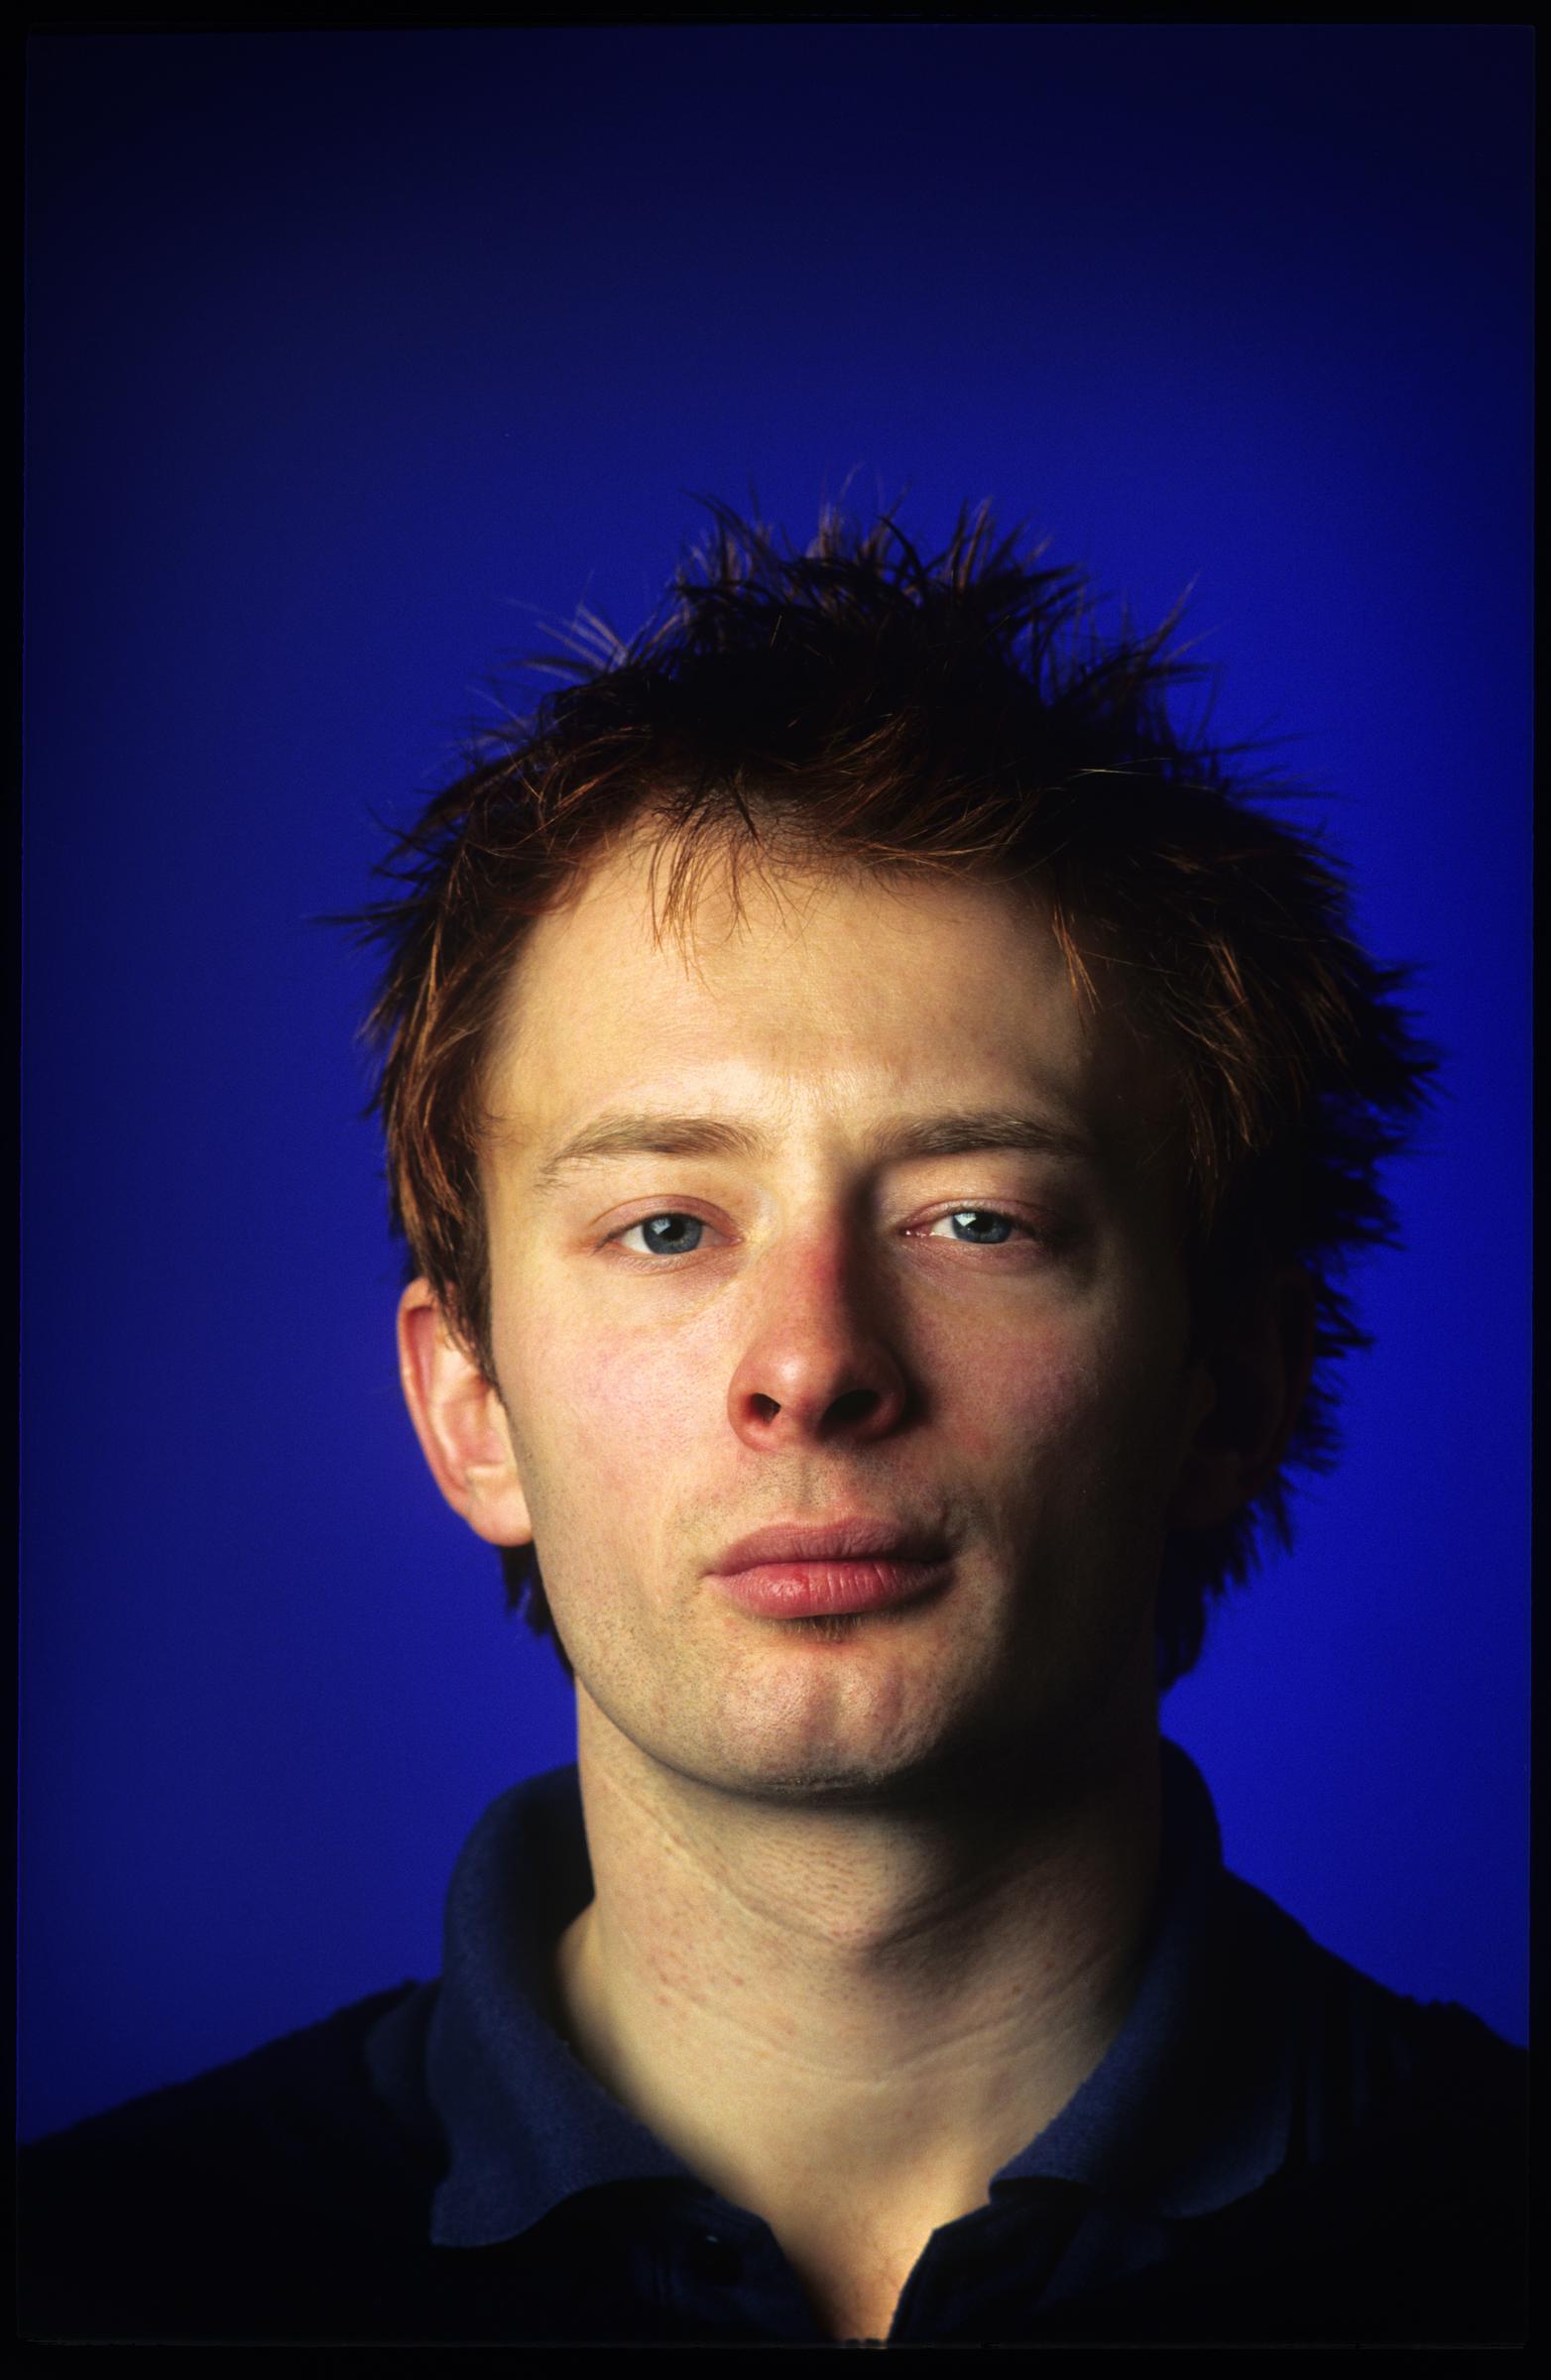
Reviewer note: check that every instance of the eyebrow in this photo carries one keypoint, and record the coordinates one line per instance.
(952, 1134)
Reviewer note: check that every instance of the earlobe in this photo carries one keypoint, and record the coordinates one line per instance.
(460, 1422)
(1253, 1381)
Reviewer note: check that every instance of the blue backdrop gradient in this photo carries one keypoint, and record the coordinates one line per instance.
(345, 349)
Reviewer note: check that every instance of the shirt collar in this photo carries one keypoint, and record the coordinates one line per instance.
(1192, 2105)
(527, 2124)
(1189, 2108)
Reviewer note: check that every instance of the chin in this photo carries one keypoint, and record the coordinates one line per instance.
(863, 1756)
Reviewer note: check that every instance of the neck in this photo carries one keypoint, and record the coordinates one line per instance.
(845, 2019)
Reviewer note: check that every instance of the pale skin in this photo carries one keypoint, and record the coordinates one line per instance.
(869, 1895)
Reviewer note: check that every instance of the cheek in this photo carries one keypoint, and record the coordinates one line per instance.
(1015, 1385)
(1015, 1414)
(1065, 1406)
(596, 1421)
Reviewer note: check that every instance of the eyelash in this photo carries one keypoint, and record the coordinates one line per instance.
(681, 1215)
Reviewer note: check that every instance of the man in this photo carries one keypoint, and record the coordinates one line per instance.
(876, 1117)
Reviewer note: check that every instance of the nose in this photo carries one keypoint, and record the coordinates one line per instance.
(819, 1367)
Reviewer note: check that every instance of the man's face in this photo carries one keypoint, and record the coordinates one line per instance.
(831, 1317)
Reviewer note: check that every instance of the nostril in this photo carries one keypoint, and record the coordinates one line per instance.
(815, 1407)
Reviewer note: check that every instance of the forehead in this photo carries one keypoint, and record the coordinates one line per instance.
(822, 991)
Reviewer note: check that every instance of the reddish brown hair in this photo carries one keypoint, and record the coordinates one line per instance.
(855, 701)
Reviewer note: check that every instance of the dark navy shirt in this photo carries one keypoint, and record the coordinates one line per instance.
(1274, 2147)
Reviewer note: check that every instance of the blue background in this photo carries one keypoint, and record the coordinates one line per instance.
(343, 349)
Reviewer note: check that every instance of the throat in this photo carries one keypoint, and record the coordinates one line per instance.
(855, 2303)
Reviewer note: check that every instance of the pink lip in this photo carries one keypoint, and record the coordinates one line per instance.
(797, 1570)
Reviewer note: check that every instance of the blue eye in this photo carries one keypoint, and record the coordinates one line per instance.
(984, 1228)
(665, 1234)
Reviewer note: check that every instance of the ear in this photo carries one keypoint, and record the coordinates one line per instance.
(460, 1422)
(1256, 1372)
